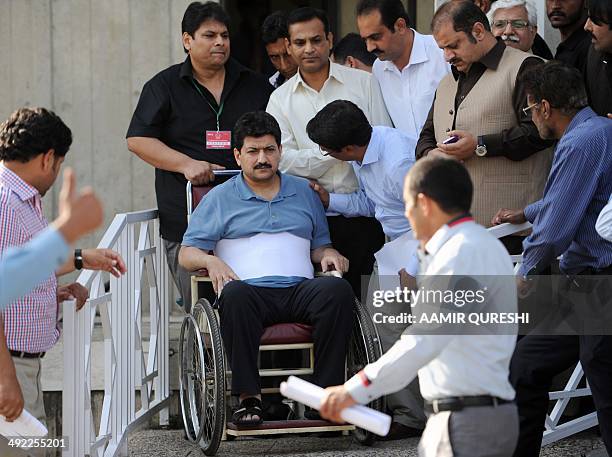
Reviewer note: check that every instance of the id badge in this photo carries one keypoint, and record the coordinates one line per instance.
(218, 139)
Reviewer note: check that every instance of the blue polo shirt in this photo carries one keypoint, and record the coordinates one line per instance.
(232, 210)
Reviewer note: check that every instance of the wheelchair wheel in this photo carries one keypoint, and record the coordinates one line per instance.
(364, 347)
(202, 378)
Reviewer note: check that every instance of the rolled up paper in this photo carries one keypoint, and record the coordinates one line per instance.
(311, 395)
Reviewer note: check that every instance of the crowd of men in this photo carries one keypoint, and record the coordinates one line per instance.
(350, 145)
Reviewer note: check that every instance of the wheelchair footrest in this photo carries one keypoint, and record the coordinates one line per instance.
(288, 426)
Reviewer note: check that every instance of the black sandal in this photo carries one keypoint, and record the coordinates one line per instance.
(248, 406)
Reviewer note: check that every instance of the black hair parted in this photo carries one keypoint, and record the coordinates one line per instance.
(463, 14)
(562, 86)
(354, 46)
(445, 181)
(255, 124)
(390, 11)
(274, 27)
(305, 14)
(339, 124)
(29, 132)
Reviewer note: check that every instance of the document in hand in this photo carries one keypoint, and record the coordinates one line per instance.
(25, 425)
(311, 395)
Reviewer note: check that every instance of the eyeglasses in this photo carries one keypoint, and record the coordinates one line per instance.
(515, 23)
(529, 108)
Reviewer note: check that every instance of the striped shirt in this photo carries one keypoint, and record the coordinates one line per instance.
(30, 323)
(578, 187)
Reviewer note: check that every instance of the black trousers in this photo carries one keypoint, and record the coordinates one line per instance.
(357, 239)
(536, 360)
(325, 303)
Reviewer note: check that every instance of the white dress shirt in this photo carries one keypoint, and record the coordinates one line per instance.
(451, 365)
(409, 93)
(295, 103)
(388, 158)
(604, 222)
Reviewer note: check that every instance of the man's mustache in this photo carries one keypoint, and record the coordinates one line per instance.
(556, 13)
(512, 38)
(261, 166)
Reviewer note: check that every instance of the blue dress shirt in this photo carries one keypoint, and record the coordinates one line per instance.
(578, 187)
(23, 267)
(232, 210)
(388, 158)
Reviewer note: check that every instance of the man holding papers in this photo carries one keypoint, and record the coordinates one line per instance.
(266, 230)
(381, 157)
(463, 377)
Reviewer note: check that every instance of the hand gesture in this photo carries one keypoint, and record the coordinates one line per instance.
(322, 193)
(220, 273)
(200, 172)
(333, 260)
(79, 213)
(513, 216)
(335, 400)
(103, 259)
(74, 291)
(462, 149)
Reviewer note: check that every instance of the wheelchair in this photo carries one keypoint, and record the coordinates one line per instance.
(205, 376)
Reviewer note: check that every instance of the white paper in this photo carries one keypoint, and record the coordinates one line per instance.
(395, 255)
(311, 395)
(25, 425)
(436, 438)
(267, 254)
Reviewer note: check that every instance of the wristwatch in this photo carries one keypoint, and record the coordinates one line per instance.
(78, 259)
(481, 149)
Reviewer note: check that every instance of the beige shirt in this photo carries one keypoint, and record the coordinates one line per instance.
(294, 103)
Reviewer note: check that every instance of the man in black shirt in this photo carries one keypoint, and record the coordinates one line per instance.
(569, 17)
(183, 121)
(599, 65)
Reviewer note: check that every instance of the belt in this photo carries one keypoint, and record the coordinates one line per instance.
(458, 403)
(27, 355)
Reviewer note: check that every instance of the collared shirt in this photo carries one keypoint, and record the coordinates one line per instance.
(295, 103)
(540, 48)
(409, 92)
(277, 79)
(30, 323)
(604, 222)
(174, 108)
(516, 143)
(575, 49)
(578, 187)
(599, 81)
(232, 210)
(388, 157)
(23, 267)
(451, 365)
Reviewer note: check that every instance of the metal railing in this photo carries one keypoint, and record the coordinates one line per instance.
(553, 430)
(126, 369)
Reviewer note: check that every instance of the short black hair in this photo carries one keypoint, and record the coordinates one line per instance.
(29, 132)
(197, 13)
(305, 14)
(340, 123)
(255, 124)
(445, 181)
(274, 27)
(390, 11)
(600, 12)
(562, 86)
(352, 45)
(463, 14)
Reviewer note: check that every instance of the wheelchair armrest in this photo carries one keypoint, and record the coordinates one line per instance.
(200, 272)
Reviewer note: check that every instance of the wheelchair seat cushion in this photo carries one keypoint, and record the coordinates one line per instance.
(287, 334)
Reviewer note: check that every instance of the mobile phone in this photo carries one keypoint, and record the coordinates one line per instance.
(451, 140)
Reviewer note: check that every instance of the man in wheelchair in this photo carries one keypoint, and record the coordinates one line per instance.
(266, 230)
